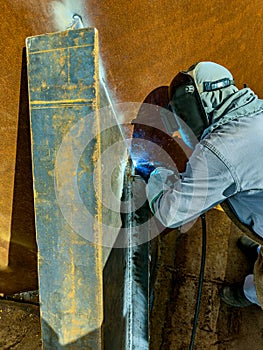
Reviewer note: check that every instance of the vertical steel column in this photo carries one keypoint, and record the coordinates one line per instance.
(126, 279)
(64, 90)
(136, 287)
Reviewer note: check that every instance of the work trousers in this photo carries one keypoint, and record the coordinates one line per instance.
(253, 285)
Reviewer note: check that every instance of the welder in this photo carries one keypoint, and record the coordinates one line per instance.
(226, 163)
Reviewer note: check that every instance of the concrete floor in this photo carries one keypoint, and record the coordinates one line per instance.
(219, 326)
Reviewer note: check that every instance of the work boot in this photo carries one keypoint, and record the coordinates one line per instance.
(233, 295)
(248, 247)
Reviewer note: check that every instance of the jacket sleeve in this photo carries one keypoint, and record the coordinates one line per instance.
(176, 200)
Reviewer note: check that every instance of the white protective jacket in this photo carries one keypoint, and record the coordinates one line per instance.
(226, 164)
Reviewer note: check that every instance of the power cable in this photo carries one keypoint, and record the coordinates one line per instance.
(201, 280)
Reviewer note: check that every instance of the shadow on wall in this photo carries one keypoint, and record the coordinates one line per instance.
(148, 126)
(21, 274)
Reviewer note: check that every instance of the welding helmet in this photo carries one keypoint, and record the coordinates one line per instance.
(194, 95)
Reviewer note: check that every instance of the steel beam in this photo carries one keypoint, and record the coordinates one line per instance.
(63, 90)
(126, 278)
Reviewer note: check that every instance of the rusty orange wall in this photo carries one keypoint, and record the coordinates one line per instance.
(142, 43)
(18, 20)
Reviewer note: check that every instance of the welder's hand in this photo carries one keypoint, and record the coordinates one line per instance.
(144, 170)
(160, 181)
(163, 177)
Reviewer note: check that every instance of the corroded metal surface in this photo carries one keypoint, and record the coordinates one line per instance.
(63, 89)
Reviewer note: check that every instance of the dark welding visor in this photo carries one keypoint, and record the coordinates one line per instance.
(186, 104)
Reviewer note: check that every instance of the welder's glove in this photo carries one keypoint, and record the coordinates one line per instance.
(144, 170)
(160, 181)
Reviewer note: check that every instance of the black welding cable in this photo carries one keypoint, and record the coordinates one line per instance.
(201, 280)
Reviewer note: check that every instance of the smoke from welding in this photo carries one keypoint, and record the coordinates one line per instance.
(63, 11)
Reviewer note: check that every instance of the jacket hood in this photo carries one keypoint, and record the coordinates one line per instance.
(226, 103)
(210, 72)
